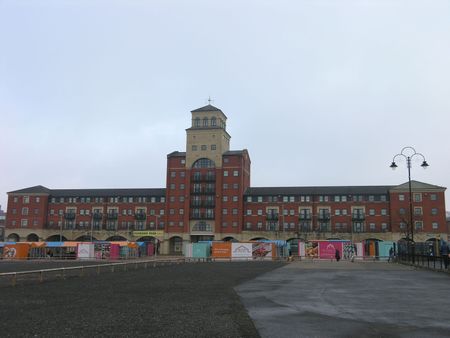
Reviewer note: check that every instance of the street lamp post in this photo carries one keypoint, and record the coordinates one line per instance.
(409, 153)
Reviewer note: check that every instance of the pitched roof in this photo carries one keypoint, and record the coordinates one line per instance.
(91, 192)
(177, 154)
(107, 192)
(331, 190)
(417, 186)
(206, 108)
(38, 189)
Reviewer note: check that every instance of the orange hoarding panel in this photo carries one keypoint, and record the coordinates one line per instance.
(221, 249)
(16, 251)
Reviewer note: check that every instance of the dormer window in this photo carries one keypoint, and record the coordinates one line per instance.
(205, 122)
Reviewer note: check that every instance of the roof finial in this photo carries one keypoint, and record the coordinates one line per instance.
(209, 100)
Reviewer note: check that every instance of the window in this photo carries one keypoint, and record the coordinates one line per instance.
(402, 225)
(225, 198)
(235, 173)
(344, 212)
(434, 211)
(418, 197)
(260, 199)
(235, 186)
(204, 163)
(260, 212)
(172, 211)
(225, 186)
(435, 225)
(371, 198)
(401, 197)
(224, 224)
(235, 198)
(204, 147)
(172, 199)
(213, 147)
(249, 212)
(418, 225)
(26, 199)
(417, 211)
(182, 186)
(181, 198)
(224, 211)
(24, 223)
(384, 212)
(16, 199)
(196, 122)
(433, 197)
(226, 160)
(181, 224)
(182, 174)
(213, 122)
(337, 198)
(52, 211)
(383, 198)
(172, 186)
(285, 199)
(343, 198)
(372, 226)
(225, 173)
(371, 212)
(384, 226)
(161, 212)
(235, 211)
(36, 211)
(259, 225)
(194, 148)
(292, 212)
(205, 122)
(337, 212)
(25, 211)
(181, 211)
(183, 161)
(173, 174)
(37, 199)
(402, 211)
(234, 224)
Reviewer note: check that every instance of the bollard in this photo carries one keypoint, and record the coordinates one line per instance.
(112, 268)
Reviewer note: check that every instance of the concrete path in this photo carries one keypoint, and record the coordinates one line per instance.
(331, 299)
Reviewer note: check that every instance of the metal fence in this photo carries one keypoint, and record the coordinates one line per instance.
(425, 261)
(26, 277)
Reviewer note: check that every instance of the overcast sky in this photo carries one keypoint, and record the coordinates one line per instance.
(95, 94)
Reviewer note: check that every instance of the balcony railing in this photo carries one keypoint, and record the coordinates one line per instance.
(201, 215)
(97, 215)
(323, 216)
(202, 227)
(140, 216)
(305, 227)
(69, 215)
(112, 215)
(358, 216)
(272, 217)
(203, 178)
(304, 217)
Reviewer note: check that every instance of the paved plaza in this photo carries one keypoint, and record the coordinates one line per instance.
(344, 299)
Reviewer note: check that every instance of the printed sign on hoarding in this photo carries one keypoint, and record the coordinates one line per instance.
(262, 249)
(312, 249)
(328, 249)
(241, 249)
(85, 250)
(222, 250)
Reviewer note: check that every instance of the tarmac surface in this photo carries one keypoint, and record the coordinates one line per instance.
(184, 300)
(344, 299)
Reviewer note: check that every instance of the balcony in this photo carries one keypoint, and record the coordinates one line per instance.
(140, 216)
(358, 216)
(323, 216)
(112, 215)
(97, 215)
(305, 227)
(272, 217)
(305, 217)
(69, 215)
(272, 227)
(203, 178)
(210, 178)
(204, 227)
(201, 215)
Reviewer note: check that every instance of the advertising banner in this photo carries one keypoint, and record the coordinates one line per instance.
(85, 251)
(241, 250)
(327, 249)
(262, 250)
(301, 249)
(16, 251)
(312, 249)
(221, 249)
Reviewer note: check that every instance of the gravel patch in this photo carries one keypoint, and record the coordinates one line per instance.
(186, 300)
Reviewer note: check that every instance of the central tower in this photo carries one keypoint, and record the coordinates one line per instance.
(207, 137)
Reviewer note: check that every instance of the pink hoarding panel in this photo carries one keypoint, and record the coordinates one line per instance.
(328, 249)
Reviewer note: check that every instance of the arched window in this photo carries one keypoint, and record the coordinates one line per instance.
(197, 122)
(205, 122)
(213, 122)
(204, 163)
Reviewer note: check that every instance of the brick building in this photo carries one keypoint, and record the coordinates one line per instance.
(208, 197)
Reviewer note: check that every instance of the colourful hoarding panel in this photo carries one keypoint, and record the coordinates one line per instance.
(312, 249)
(221, 249)
(16, 251)
(263, 250)
(327, 249)
(241, 250)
